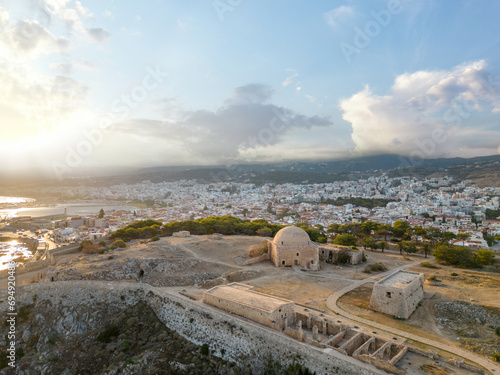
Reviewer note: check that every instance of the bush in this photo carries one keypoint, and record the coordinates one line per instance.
(496, 356)
(110, 332)
(375, 267)
(484, 257)
(497, 330)
(125, 346)
(432, 278)
(204, 350)
(454, 274)
(343, 257)
(264, 232)
(257, 250)
(154, 239)
(118, 244)
(88, 247)
(428, 265)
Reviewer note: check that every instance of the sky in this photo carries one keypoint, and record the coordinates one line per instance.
(109, 84)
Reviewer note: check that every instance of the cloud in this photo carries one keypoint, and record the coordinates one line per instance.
(289, 80)
(98, 34)
(32, 102)
(4, 19)
(72, 15)
(28, 38)
(430, 113)
(337, 15)
(244, 121)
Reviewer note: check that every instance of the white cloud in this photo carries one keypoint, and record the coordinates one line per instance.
(73, 15)
(337, 15)
(460, 103)
(245, 121)
(29, 39)
(31, 102)
(288, 80)
(4, 19)
(98, 34)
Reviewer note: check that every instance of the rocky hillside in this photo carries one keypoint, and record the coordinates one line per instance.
(473, 325)
(102, 339)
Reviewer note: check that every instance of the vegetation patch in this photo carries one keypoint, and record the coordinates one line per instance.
(375, 267)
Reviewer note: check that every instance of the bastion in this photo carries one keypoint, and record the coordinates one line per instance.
(398, 294)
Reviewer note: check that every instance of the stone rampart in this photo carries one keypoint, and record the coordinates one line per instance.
(237, 340)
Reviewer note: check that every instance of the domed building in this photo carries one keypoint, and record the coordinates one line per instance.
(292, 247)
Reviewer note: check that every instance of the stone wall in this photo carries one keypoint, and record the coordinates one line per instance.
(245, 343)
(393, 300)
(270, 319)
(283, 255)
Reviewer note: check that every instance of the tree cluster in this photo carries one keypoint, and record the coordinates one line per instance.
(139, 229)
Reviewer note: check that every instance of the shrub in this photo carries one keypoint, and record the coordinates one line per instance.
(343, 257)
(154, 239)
(432, 278)
(102, 243)
(88, 247)
(204, 350)
(454, 274)
(484, 257)
(496, 356)
(53, 338)
(110, 332)
(118, 243)
(257, 250)
(497, 330)
(428, 265)
(375, 267)
(125, 346)
(264, 232)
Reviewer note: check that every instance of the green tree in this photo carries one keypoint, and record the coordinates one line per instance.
(382, 245)
(100, 215)
(368, 242)
(407, 246)
(455, 256)
(427, 249)
(484, 257)
(399, 228)
(264, 232)
(345, 240)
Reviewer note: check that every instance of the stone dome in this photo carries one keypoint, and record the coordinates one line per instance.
(292, 236)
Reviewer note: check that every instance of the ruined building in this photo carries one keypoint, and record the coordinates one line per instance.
(398, 294)
(292, 247)
(240, 299)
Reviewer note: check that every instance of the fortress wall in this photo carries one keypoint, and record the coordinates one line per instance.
(245, 343)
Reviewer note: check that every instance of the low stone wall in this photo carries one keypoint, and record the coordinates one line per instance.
(243, 342)
(258, 259)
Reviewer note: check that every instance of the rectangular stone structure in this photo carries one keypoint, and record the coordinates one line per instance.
(398, 294)
(240, 299)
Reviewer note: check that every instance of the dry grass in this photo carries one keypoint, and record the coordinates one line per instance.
(258, 249)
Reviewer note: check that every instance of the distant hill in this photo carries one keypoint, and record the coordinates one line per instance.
(484, 170)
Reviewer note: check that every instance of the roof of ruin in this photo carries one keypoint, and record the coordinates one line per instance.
(399, 279)
(293, 236)
(244, 295)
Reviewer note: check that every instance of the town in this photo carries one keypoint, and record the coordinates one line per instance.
(441, 203)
